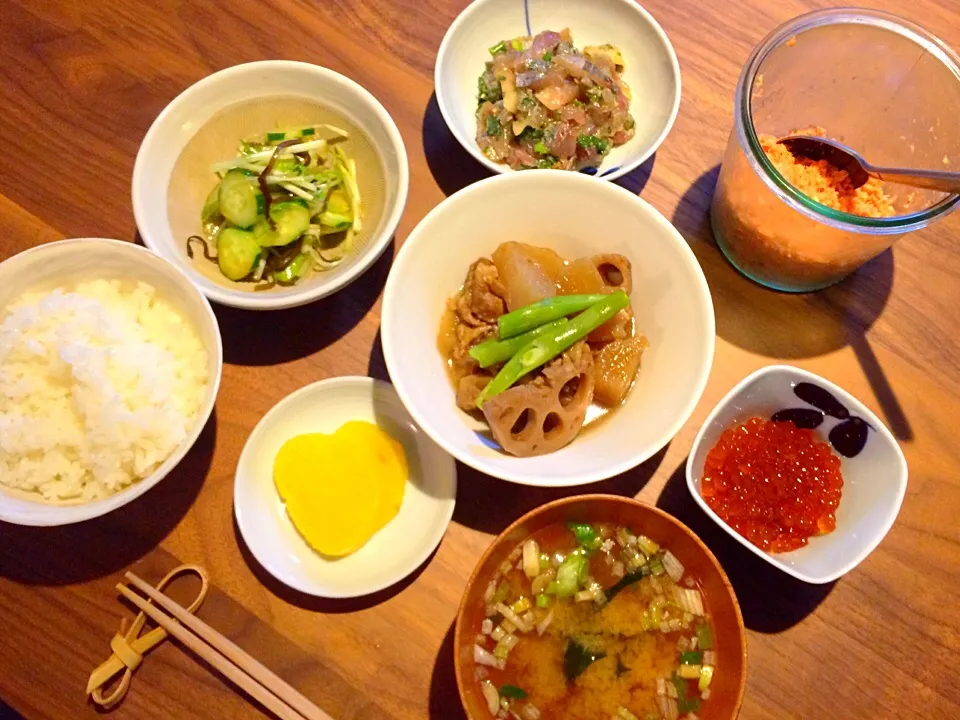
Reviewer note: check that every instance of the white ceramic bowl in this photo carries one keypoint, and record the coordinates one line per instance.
(69, 261)
(397, 549)
(652, 71)
(576, 216)
(874, 482)
(194, 107)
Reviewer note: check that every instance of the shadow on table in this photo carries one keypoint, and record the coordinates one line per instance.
(377, 365)
(259, 338)
(104, 545)
(490, 505)
(452, 167)
(636, 180)
(788, 325)
(771, 600)
(444, 695)
(319, 604)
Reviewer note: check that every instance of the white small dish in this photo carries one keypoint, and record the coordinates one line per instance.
(652, 71)
(670, 300)
(165, 226)
(392, 553)
(67, 262)
(874, 482)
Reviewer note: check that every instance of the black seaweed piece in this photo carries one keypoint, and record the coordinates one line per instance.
(577, 658)
(822, 399)
(626, 580)
(801, 417)
(849, 437)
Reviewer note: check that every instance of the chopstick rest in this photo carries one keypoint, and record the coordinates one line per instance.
(129, 647)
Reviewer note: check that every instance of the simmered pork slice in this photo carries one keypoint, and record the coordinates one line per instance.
(527, 273)
(468, 389)
(615, 367)
(545, 414)
(481, 300)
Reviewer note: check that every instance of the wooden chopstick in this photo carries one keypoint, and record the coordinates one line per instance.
(258, 688)
(252, 666)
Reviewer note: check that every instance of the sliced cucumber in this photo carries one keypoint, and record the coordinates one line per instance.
(294, 271)
(339, 204)
(335, 220)
(292, 219)
(240, 199)
(211, 206)
(237, 252)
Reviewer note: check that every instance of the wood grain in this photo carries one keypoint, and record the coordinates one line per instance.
(880, 643)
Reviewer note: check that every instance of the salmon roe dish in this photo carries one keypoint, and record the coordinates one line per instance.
(776, 484)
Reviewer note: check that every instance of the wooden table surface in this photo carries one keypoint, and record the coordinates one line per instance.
(81, 83)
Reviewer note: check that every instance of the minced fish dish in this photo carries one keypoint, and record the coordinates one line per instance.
(542, 103)
(99, 384)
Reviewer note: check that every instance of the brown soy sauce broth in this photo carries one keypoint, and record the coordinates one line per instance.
(219, 138)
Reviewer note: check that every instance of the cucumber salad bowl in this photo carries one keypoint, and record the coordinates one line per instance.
(271, 184)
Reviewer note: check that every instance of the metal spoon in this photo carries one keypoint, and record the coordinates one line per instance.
(859, 170)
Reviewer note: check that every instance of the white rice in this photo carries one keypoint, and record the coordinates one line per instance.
(98, 386)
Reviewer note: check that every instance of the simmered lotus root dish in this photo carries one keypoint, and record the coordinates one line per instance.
(543, 409)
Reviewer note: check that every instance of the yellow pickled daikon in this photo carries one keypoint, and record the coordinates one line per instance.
(341, 488)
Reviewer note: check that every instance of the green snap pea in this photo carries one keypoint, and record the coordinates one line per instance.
(492, 352)
(543, 311)
(545, 348)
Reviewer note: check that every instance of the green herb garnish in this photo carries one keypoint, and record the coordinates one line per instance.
(512, 691)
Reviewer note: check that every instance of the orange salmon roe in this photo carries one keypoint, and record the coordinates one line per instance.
(774, 483)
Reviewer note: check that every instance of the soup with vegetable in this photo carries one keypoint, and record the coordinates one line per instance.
(594, 621)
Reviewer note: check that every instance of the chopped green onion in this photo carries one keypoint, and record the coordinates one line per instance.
(706, 676)
(546, 162)
(493, 125)
(585, 534)
(548, 56)
(275, 136)
(570, 576)
(503, 589)
(685, 703)
(593, 141)
(517, 44)
(307, 132)
(656, 566)
(501, 651)
(543, 601)
(704, 637)
(512, 691)
(648, 546)
(500, 47)
(691, 658)
(541, 148)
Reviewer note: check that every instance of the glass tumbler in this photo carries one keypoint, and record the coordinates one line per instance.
(879, 84)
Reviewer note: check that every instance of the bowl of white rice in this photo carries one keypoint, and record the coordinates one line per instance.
(110, 362)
